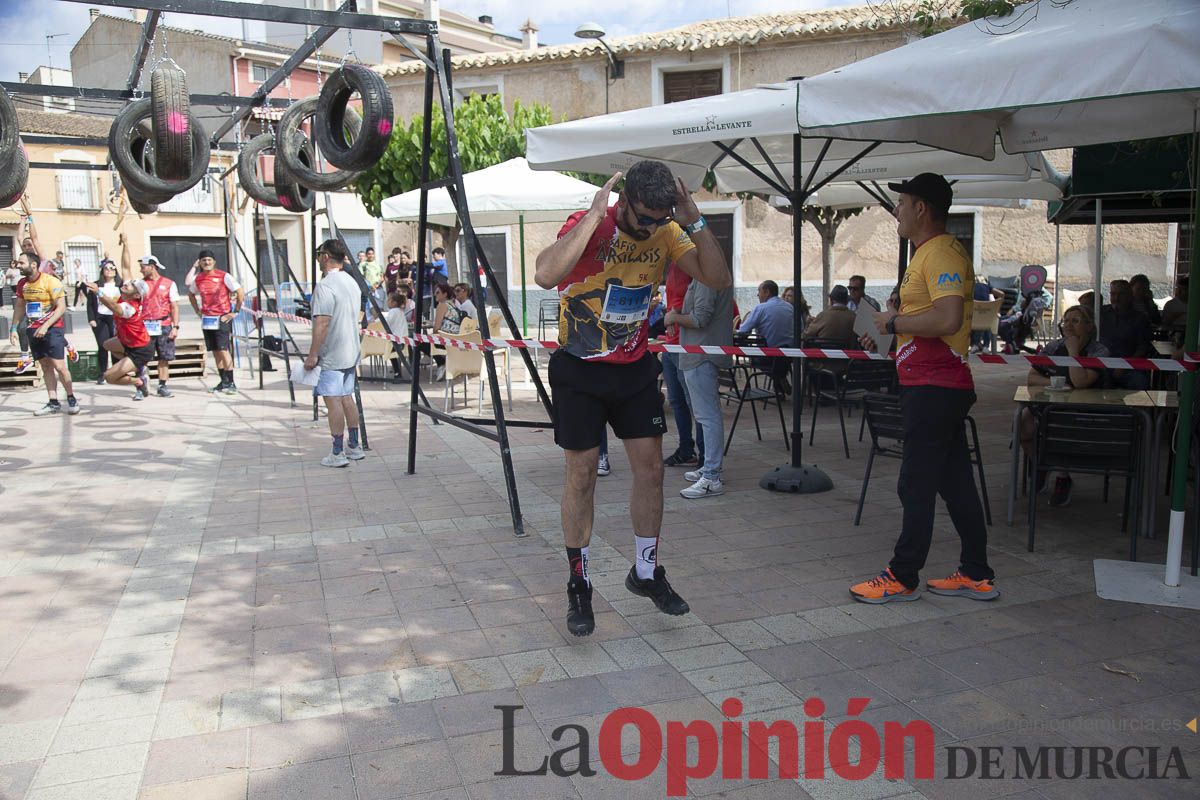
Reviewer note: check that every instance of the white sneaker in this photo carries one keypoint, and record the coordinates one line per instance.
(602, 468)
(335, 460)
(439, 375)
(49, 408)
(355, 453)
(703, 488)
(692, 475)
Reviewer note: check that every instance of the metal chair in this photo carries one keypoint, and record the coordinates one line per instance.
(883, 418)
(859, 378)
(1093, 442)
(754, 386)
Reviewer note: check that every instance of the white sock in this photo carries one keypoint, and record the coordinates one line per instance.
(647, 556)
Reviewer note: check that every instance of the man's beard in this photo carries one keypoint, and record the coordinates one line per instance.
(641, 234)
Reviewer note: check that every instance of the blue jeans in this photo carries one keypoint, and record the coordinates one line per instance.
(702, 394)
(677, 397)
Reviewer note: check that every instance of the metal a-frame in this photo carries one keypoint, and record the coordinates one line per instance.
(437, 64)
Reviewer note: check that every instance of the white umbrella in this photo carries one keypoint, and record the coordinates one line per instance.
(505, 194)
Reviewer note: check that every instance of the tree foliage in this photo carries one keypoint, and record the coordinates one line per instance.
(487, 136)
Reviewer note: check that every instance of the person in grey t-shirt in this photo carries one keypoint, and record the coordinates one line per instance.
(336, 302)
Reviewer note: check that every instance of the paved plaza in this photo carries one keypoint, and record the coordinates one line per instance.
(192, 608)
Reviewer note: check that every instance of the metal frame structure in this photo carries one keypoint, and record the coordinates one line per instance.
(437, 62)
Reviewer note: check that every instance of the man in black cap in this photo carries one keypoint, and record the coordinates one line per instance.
(933, 330)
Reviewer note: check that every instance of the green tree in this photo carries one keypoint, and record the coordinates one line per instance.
(487, 136)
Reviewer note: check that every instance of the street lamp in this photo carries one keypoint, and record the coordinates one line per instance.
(592, 30)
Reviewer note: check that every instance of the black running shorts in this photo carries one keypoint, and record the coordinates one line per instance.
(140, 356)
(589, 395)
(219, 339)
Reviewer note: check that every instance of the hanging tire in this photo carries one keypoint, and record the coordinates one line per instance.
(247, 170)
(142, 206)
(10, 139)
(171, 121)
(14, 178)
(293, 196)
(329, 125)
(124, 132)
(307, 175)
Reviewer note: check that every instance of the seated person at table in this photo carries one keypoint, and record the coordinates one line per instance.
(464, 300)
(1088, 301)
(1174, 312)
(1143, 298)
(799, 303)
(1021, 322)
(835, 323)
(772, 320)
(397, 323)
(447, 319)
(1078, 339)
(1125, 331)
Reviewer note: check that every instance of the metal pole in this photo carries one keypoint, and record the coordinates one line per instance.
(1057, 273)
(258, 294)
(1098, 279)
(287, 364)
(1187, 390)
(524, 309)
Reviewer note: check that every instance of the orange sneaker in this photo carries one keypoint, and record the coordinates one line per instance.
(961, 586)
(883, 588)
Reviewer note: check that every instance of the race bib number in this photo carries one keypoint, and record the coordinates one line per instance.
(154, 327)
(624, 306)
(34, 310)
(210, 323)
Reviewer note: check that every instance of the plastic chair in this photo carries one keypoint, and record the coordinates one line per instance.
(377, 350)
(986, 317)
(849, 386)
(883, 418)
(465, 364)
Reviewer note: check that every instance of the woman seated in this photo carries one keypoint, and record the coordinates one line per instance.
(447, 319)
(1078, 331)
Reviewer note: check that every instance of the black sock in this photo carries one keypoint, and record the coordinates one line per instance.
(54, 401)
(71, 396)
(577, 557)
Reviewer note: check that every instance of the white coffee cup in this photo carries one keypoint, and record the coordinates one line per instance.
(1058, 382)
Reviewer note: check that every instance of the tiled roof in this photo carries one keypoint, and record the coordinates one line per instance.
(47, 122)
(762, 28)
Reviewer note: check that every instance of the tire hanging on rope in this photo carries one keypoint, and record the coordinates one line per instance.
(293, 196)
(14, 176)
(289, 158)
(141, 176)
(330, 122)
(171, 120)
(10, 141)
(247, 170)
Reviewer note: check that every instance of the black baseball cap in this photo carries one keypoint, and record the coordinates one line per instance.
(930, 187)
(207, 254)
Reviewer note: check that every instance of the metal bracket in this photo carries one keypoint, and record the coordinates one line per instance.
(149, 26)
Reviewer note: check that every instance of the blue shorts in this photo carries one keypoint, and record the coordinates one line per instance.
(52, 344)
(336, 382)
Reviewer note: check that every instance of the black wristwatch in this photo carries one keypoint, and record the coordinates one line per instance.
(891, 326)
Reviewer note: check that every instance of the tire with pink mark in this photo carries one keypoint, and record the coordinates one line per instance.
(170, 118)
(289, 158)
(140, 171)
(330, 127)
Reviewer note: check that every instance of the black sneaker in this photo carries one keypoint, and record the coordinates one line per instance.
(1062, 492)
(658, 590)
(580, 619)
(681, 459)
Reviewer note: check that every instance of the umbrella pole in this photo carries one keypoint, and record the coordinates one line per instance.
(1057, 273)
(1187, 388)
(1098, 298)
(795, 476)
(524, 310)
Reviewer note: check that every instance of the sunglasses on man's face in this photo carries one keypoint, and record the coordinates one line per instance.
(645, 221)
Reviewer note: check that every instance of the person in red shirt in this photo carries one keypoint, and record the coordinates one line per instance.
(160, 309)
(132, 344)
(216, 297)
(606, 264)
(933, 333)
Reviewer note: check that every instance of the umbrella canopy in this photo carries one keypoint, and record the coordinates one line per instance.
(500, 195)
(1051, 75)
(746, 138)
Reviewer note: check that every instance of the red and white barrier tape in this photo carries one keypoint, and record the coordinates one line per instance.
(1190, 362)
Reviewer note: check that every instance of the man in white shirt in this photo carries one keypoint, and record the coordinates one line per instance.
(336, 350)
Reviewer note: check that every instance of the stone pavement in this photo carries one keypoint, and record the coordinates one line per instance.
(191, 607)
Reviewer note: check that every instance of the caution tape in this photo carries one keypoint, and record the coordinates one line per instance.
(1190, 362)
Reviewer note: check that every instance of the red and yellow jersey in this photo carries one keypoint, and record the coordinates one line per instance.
(604, 301)
(939, 268)
(40, 296)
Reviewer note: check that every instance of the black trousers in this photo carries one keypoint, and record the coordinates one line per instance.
(105, 329)
(937, 461)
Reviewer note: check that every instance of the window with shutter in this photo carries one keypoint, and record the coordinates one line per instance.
(690, 84)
